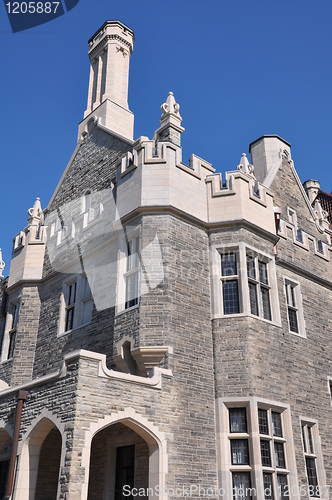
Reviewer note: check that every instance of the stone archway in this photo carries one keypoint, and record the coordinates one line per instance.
(5, 452)
(48, 466)
(121, 429)
(39, 465)
(119, 457)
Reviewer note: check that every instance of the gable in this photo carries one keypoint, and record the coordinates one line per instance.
(289, 193)
(91, 167)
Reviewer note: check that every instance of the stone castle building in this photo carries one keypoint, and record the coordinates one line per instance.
(166, 328)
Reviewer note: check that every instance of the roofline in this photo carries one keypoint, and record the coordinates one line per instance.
(269, 135)
(324, 193)
(112, 21)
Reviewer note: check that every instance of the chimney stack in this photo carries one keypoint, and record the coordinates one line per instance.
(312, 188)
(266, 153)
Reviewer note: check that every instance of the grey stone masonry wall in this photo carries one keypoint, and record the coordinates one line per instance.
(254, 357)
(177, 313)
(288, 194)
(92, 169)
(26, 336)
(51, 347)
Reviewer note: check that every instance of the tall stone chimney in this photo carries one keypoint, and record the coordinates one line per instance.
(312, 188)
(110, 49)
(266, 155)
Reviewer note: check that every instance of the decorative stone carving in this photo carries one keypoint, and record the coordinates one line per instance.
(170, 106)
(321, 216)
(319, 212)
(148, 357)
(245, 166)
(2, 265)
(35, 213)
(145, 358)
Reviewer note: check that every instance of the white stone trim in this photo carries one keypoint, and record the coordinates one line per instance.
(244, 305)
(299, 306)
(223, 448)
(155, 439)
(29, 450)
(320, 470)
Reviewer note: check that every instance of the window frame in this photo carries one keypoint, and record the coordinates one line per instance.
(10, 330)
(297, 306)
(81, 300)
(259, 285)
(125, 269)
(312, 451)
(230, 278)
(255, 468)
(242, 249)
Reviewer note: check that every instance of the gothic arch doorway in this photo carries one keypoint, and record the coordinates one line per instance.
(39, 463)
(48, 466)
(119, 458)
(5, 452)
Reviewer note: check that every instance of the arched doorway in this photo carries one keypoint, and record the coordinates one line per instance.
(39, 464)
(48, 466)
(119, 458)
(5, 452)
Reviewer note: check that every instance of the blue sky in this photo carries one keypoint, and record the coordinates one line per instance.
(239, 69)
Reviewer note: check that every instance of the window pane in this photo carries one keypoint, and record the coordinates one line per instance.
(239, 450)
(279, 455)
(265, 453)
(251, 267)
(241, 486)
(132, 251)
(237, 420)
(263, 276)
(228, 264)
(231, 297)
(311, 473)
(276, 424)
(311, 446)
(265, 296)
(253, 298)
(69, 319)
(303, 439)
(262, 420)
(282, 487)
(268, 488)
(292, 315)
(292, 295)
(131, 290)
(15, 316)
(12, 339)
(72, 294)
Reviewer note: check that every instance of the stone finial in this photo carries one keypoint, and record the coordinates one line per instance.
(245, 166)
(170, 107)
(2, 265)
(170, 122)
(35, 213)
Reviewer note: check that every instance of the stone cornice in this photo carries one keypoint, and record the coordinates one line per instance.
(105, 40)
(290, 266)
